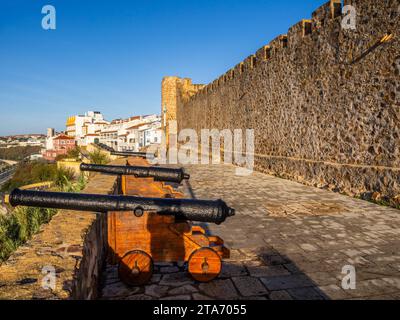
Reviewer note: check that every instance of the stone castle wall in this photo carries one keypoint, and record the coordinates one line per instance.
(324, 101)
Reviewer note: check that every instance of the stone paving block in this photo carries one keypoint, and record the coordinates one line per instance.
(169, 269)
(139, 297)
(374, 272)
(268, 271)
(163, 264)
(187, 289)
(253, 263)
(308, 247)
(156, 291)
(251, 298)
(292, 268)
(361, 262)
(280, 295)
(221, 289)
(249, 253)
(181, 297)
(308, 266)
(198, 296)
(306, 294)
(249, 286)
(353, 252)
(375, 298)
(334, 292)
(118, 289)
(156, 277)
(393, 281)
(232, 270)
(236, 255)
(287, 282)
(176, 279)
(395, 266)
(273, 260)
(372, 287)
(324, 278)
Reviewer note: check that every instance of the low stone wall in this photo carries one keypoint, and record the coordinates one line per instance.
(73, 244)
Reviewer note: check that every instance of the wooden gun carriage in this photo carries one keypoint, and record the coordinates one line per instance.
(136, 243)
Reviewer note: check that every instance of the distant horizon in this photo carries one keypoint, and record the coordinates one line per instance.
(23, 134)
(63, 130)
(112, 56)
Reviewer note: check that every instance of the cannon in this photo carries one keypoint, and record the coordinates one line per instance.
(157, 173)
(153, 228)
(213, 211)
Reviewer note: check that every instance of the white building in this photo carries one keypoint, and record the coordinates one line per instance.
(85, 128)
(133, 133)
(130, 134)
(150, 134)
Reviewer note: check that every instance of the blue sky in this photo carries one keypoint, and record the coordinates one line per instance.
(110, 56)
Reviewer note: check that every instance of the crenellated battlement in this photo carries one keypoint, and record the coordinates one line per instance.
(328, 11)
(321, 18)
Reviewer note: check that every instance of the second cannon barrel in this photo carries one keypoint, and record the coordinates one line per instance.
(132, 154)
(158, 173)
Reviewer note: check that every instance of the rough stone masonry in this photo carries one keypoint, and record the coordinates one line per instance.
(324, 101)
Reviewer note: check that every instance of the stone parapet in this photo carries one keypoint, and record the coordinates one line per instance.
(73, 244)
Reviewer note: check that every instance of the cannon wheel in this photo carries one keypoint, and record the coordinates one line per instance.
(204, 264)
(135, 268)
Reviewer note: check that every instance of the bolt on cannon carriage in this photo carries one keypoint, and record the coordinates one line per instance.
(149, 223)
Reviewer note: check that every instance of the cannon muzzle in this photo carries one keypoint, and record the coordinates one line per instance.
(214, 211)
(158, 173)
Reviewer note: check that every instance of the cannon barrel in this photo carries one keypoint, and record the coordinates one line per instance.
(131, 154)
(214, 211)
(105, 147)
(158, 173)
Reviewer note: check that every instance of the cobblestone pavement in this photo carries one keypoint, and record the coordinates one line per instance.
(287, 241)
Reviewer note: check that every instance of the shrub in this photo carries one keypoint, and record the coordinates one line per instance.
(19, 226)
(23, 222)
(98, 157)
(63, 176)
(71, 154)
(74, 153)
